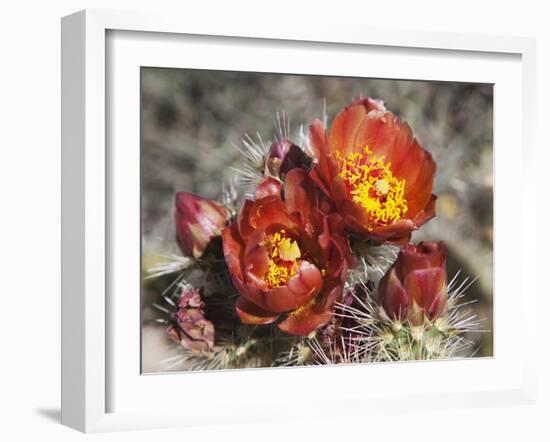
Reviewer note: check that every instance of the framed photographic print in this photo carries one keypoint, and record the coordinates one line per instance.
(289, 263)
(269, 210)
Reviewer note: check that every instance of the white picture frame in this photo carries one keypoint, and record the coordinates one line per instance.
(89, 330)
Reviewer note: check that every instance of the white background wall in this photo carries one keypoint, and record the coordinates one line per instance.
(30, 215)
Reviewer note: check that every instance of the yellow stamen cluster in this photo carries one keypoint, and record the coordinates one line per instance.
(283, 255)
(370, 183)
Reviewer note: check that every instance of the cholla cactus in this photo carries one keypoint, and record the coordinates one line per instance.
(315, 266)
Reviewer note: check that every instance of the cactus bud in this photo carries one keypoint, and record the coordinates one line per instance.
(198, 221)
(415, 287)
(284, 156)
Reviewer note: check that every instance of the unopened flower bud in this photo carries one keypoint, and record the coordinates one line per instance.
(284, 156)
(198, 221)
(415, 287)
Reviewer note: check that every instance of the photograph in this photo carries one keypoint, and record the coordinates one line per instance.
(292, 220)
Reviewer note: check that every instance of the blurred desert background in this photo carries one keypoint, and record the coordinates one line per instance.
(191, 118)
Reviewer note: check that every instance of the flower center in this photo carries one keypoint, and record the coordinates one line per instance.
(370, 183)
(283, 255)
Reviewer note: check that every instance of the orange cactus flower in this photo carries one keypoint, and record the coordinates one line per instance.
(287, 256)
(376, 172)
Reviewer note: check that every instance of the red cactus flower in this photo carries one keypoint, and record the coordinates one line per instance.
(377, 173)
(284, 156)
(287, 256)
(198, 221)
(189, 327)
(415, 288)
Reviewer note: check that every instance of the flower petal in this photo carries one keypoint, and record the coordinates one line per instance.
(418, 171)
(313, 315)
(425, 214)
(243, 219)
(318, 138)
(344, 129)
(269, 186)
(268, 211)
(393, 296)
(338, 190)
(386, 136)
(321, 172)
(424, 255)
(299, 193)
(299, 289)
(232, 250)
(256, 262)
(250, 313)
(356, 220)
(424, 286)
